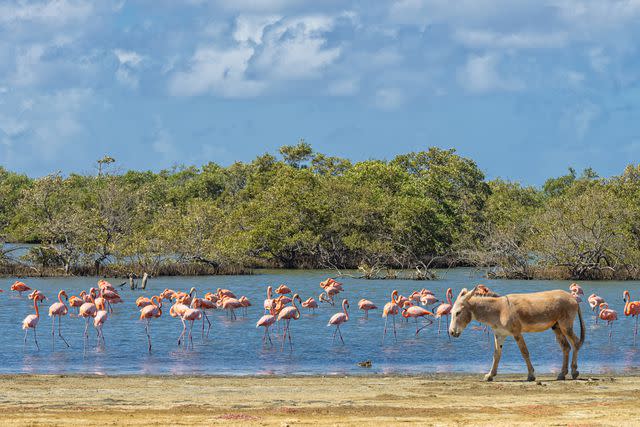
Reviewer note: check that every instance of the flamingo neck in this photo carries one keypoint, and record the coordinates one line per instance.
(60, 297)
(394, 298)
(35, 306)
(344, 308)
(297, 315)
(449, 296)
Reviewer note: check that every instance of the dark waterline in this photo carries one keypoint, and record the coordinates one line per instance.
(235, 348)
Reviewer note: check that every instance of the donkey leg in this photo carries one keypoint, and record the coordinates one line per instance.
(564, 345)
(575, 343)
(525, 355)
(497, 353)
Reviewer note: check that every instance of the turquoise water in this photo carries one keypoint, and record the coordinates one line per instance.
(236, 348)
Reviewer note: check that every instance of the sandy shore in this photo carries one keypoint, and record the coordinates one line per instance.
(379, 400)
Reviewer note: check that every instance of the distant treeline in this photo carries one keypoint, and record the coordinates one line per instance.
(307, 210)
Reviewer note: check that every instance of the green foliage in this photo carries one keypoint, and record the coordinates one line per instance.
(312, 210)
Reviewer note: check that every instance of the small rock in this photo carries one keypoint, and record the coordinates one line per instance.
(365, 364)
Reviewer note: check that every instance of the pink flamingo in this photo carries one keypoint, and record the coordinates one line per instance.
(225, 293)
(415, 311)
(283, 290)
(99, 320)
(631, 308)
(31, 322)
(39, 296)
(268, 302)
(310, 304)
(289, 313)
(20, 287)
(390, 309)
(87, 310)
(202, 305)
(230, 304)
(266, 321)
(190, 315)
(58, 310)
(244, 301)
(428, 299)
(576, 289)
(594, 302)
(366, 305)
(444, 310)
(177, 310)
(149, 312)
(338, 319)
(609, 315)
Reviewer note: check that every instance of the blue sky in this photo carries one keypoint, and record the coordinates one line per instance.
(526, 88)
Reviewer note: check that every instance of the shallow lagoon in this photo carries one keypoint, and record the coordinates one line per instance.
(236, 348)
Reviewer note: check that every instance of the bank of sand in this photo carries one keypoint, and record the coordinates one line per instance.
(354, 400)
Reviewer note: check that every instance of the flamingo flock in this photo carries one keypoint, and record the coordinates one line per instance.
(282, 308)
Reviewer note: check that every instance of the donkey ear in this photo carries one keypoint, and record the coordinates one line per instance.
(468, 295)
(462, 293)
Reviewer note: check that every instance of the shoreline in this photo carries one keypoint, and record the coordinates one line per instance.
(317, 400)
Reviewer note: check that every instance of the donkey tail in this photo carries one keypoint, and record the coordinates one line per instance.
(581, 326)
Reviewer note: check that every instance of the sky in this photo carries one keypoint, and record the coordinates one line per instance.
(525, 88)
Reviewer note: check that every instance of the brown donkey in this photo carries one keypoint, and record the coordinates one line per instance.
(515, 314)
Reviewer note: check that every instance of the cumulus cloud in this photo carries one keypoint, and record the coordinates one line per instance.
(218, 71)
(520, 40)
(45, 124)
(269, 47)
(389, 98)
(345, 87)
(128, 64)
(480, 74)
(53, 12)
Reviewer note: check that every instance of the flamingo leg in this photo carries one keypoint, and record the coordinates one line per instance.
(184, 328)
(334, 334)
(366, 314)
(208, 321)
(26, 332)
(146, 328)
(86, 328)
(35, 338)
(284, 335)
(395, 335)
(60, 333)
(384, 333)
(269, 336)
(190, 334)
(424, 326)
(289, 333)
(53, 332)
(340, 333)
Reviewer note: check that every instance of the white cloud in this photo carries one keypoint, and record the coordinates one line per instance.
(344, 87)
(389, 98)
(218, 71)
(129, 58)
(296, 48)
(45, 125)
(480, 75)
(598, 59)
(250, 27)
(53, 12)
(521, 40)
(269, 47)
(129, 63)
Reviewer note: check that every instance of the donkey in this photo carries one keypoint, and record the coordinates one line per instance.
(514, 314)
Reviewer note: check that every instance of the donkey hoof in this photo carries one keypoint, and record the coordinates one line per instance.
(575, 374)
(560, 377)
(488, 377)
(531, 377)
